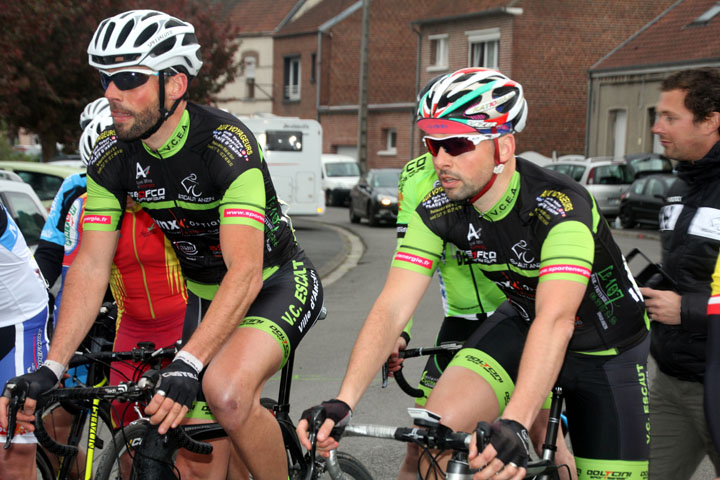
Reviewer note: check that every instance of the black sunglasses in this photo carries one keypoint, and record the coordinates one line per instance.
(125, 80)
(455, 145)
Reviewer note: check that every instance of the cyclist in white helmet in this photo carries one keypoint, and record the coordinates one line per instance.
(92, 109)
(200, 174)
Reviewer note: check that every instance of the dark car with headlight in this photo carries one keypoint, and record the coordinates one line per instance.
(644, 199)
(375, 196)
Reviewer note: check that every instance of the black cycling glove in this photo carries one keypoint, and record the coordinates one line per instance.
(31, 385)
(179, 382)
(511, 441)
(337, 411)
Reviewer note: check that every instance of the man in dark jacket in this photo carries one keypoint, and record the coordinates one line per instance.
(687, 122)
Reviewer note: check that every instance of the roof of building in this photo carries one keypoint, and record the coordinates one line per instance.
(256, 16)
(310, 21)
(685, 33)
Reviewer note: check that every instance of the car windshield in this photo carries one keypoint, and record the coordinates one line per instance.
(386, 178)
(650, 163)
(616, 174)
(27, 215)
(344, 169)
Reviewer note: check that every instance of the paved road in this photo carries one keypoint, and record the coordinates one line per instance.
(353, 261)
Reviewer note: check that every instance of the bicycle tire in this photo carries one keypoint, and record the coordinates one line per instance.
(351, 467)
(110, 465)
(42, 465)
(104, 434)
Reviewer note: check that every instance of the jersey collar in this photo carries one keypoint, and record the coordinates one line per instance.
(506, 203)
(176, 140)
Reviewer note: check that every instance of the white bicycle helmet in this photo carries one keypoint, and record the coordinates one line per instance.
(90, 134)
(473, 100)
(92, 109)
(145, 38)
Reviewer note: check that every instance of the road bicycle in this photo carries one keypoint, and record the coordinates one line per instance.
(436, 436)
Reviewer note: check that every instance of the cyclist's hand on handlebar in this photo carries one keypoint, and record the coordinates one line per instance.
(506, 453)
(175, 391)
(26, 389)
(337, 415)
(394, 363)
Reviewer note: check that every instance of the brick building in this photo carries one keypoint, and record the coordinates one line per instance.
(625, 84)
(547, 45)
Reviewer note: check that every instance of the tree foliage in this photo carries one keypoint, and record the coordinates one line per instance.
(46, 80)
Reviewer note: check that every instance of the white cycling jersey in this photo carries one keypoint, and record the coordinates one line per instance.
(22, 288)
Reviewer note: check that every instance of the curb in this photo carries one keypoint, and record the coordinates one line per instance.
(347, 259)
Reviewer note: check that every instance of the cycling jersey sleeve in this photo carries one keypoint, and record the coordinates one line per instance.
(103, 210)
(236, 165)
(409, 185)
(712, 367)
(420, 250)
(567, 253)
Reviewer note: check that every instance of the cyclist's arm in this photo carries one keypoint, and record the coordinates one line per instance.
(242, 248)
(566, 262)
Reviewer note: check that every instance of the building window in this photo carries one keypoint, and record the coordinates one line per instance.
(291, 78)
(483, 48)
(249, 66)
(617, 129)
(313, 64)
(438, 52)
(390, 135)
(708, 15)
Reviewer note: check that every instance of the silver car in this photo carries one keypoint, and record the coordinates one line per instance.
(605, 178)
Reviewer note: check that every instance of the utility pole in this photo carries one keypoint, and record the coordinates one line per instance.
(363, 96)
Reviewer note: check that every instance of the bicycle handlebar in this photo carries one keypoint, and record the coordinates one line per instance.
(449, 347)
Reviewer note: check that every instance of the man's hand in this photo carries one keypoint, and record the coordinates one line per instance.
(394, 363)
(175, 393)
(662, 305)
(506, 456)
(338, 414)
(27, 388)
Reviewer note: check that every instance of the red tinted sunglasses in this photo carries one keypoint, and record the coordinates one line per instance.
(455, 145)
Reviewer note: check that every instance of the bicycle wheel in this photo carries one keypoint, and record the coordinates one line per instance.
(42, 464)
(116, 460)
(58, 423)
(351, 467)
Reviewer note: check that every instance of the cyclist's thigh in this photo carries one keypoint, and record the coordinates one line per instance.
(453, 329)
(288, 304)
(608, 413)
(677, 446)
(492, 353)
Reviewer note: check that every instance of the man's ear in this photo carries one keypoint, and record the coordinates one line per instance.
(506, 143)
(712, 122)
(176, 86)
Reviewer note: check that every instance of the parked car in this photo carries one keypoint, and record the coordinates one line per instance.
(606, 179)
(647, 163)
(643, 201)
(24, 206)
(340, 173)
(44, 178)
(375, 196)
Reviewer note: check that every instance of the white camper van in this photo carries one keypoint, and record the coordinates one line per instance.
(292, 148)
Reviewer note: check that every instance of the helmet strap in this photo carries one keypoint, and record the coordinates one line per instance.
(497, 169)
(164, 113)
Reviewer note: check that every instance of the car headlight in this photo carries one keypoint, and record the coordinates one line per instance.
(386, 200)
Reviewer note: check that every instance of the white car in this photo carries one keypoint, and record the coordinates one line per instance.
(24, 205)
(340, 173)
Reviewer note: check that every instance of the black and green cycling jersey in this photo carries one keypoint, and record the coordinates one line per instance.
(210, 172)
(545, 227)
(466, 292)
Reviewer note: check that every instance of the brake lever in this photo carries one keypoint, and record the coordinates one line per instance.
(15, 404)
(385, 375)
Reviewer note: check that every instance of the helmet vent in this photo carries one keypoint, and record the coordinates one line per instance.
(163, 47)
(174, 22)
(146, 34)
(189, 39)
(108, 34)
(124, 33)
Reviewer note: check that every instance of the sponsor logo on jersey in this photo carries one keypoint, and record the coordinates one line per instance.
(187, 248)
(473, 233)
(606, 474)
(167, 225)
(525, 258)
(140, 171)
(243, 213)
(149, 194)
(102, 219)
(481, 256)
(573, 269)
(414, 259)
(190, 184)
